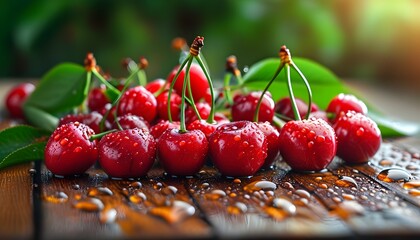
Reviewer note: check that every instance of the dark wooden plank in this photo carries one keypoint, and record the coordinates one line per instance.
(366, 205)
(296, 214)
(15, 203)
(163, 212)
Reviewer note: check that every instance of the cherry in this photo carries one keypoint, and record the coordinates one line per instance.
(16, 97)
(320, 114)
(162, 106)
(138, 101)
(238, 149)
(343, 103)
(69, 151)
(156, 85)
(307, 145)
(284, 107)
(358, 137)
(273, 144)
(131, 121)
(158, 129)
(244, 107)
(127, 154)
(199, 83)
(92, 119)
(182, 154)
(97, 98)
(203, 109)
(204, 126)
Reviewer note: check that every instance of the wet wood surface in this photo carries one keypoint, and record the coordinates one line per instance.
(378, 199)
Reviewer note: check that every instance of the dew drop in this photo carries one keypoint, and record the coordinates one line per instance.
(323, 186)
(75, 186)
(108, 216)
(137, 197)
(57, 197)
(412, 184)
(205, 185)
(175, 213)
(386, 162)
(181, 143)
(348, 209)
(360, 132)
(348, 196)
(260, 185)
(285, 205)
(345, 181)
(320, 139)
(237, 138)
(64, 141)
(394, 175)
(215, 194)
(32, 171)
(237, 208)
(414, 192)
(136, 185)
(310, 144)
(170, 190)
(99, 191)
(318, 179)
(78, 149)
(89, 205)
(237, 181)
(303, 193)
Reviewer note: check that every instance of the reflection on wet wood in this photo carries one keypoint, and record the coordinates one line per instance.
(376, 199)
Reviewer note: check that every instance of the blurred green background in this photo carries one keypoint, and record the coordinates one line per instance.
(370, 40)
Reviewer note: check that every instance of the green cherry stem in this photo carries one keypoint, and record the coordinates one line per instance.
(171, 87)
(291, 94)
(100, 135)
(257, 110)
(86, 90)
(226, 88)
(117, 100)
(308, 88)
(190, 99)
(210, 119)
(183, 127)
(105, 82)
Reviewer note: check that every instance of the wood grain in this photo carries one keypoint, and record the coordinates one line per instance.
(16, 203)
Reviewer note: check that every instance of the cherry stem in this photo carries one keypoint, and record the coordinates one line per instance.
(105, 82)
(86, 90)
(117, 100)
(183, 127)
(257, 110)
(171, 87)
(226, 88)
(210, 119)
(191, 99)
(278, 121)
(100, 135)
(308, 88)
(141, 75)
(291, 95)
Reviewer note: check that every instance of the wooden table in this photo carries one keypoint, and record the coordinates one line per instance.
(343, 201)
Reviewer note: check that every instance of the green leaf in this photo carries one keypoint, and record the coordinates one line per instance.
(59, 91)
(28, 153)
(324, 85)
(16, 141)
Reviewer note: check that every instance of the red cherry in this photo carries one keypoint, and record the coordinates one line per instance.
(110, 117)
(204, 126)
(358, 137)
(69, 151)
(182, 154)
(138, 101)
(158, 129)
(203, 109)
(319, 114)
(343, 103)
(162, 106)
(131, 121)
(156, 85)
(243, 107)
(92, 120)
(97, 98)
(127, 153)
(238, 149)
(307, 145)
(199, 83)
(284, 107)
(16, 97)
(273, 143)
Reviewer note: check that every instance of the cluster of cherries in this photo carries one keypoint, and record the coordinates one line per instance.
(174, 122)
